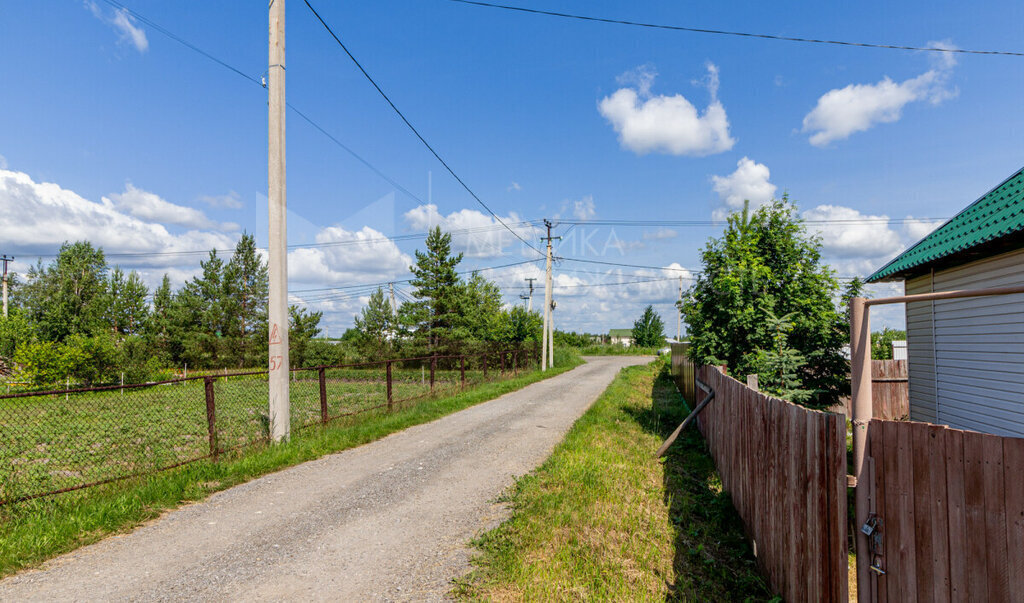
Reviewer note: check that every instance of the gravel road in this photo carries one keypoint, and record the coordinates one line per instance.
(386, 521)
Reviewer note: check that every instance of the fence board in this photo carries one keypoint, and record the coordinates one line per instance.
(974, 502)
(922, 502)
(1013, 461)
(891, 512)
(935, 444)
(995, 518)
(957, 508)
(875, 450)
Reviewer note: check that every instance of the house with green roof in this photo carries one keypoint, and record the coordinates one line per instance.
(966, 356)
(621, 336)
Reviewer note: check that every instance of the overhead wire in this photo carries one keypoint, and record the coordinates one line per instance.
(405, 120)
(723, 32)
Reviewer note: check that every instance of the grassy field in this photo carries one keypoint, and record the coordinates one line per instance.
(56, 442)
(616, 350)
(602, 520)
(35, 530)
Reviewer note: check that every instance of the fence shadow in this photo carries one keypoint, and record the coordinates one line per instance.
(712, 556)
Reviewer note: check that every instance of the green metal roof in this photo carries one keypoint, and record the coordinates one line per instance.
(620, 333)
(997, 214)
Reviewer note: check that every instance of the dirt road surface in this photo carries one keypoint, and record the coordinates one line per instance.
(386, 521)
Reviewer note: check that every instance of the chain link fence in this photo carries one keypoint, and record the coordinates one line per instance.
(62, 440)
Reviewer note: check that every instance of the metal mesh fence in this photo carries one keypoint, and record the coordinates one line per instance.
(62, 440)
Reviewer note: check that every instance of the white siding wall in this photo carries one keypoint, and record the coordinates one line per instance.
(972, 370)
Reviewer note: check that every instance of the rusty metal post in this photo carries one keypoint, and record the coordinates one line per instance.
(485, 366)
(433, 368)
(515, 361)
(860, 400)
(323, 395)
(211, 416)
(501, 354)
(391, 401)
(462, 370)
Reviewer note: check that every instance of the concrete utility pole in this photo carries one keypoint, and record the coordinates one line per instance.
(391, 294)
(529, 307)
(679, 325)
(5, 259)
(280, 407)
(547, 343)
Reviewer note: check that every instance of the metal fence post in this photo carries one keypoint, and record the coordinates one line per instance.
(462, 370)
(390, 399)
(860, 401)
(211, 416)
(515, 361)
(485, 366)
(323, 395)
(433, 368)
(501, 354)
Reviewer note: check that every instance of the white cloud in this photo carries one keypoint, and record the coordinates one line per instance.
(666, 124)
(581, 209)
(151, 208)
(842, 112)
(232, 200)
(3, 162)
(124, 24)
(661, 233)
(514, 187)
(748, 183)
(347, 258)
(37, 217)
(917, 229)
(474, 233)
(847, 233)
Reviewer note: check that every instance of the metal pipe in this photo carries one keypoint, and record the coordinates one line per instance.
(860, 399)
(903, 299)
(675, 434)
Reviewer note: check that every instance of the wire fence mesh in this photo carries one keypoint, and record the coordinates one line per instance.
(62, 440)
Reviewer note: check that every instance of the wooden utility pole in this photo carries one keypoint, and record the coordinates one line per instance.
(5, 259)
(280, 408)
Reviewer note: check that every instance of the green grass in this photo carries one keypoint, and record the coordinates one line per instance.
(36, 530)
(617, 350)
(602, 520)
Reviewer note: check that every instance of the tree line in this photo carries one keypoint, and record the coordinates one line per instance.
(79, 319)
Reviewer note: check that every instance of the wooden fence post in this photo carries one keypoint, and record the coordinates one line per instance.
(433, 367)
(323, 395)
(485, 366)
(390, 399)
(515, 361)
(752, 381)
(501, 354)
(462, 370)
(211, 416)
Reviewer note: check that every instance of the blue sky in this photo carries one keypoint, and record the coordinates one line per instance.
(113, 132)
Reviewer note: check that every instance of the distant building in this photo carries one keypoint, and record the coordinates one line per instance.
(965, 356)
(621, 336)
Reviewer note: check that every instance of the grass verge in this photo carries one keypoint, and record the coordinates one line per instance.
(602, 520)
(34, 531)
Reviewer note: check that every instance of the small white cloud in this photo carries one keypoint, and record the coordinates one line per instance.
(3, 162)
(666, 124)
(917, 229)
(661, 233)
(150, 207)
(232, 200)
(514, 187)
(842, 112)
(848, 234)
(748, 183)
(474, 233)
(583, 209)
(125, 24)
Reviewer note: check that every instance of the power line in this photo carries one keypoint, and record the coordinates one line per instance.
(413, 128)
(233, 69)
(722, 32)
(648, 223)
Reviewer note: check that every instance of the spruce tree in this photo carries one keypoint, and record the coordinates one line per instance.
(434, 314)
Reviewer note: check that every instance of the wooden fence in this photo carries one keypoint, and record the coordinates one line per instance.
(683, 372)
(785, 468)
(890, 397)
(950, 514)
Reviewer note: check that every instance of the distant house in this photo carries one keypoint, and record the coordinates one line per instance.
(966, 356)
(621, 336)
